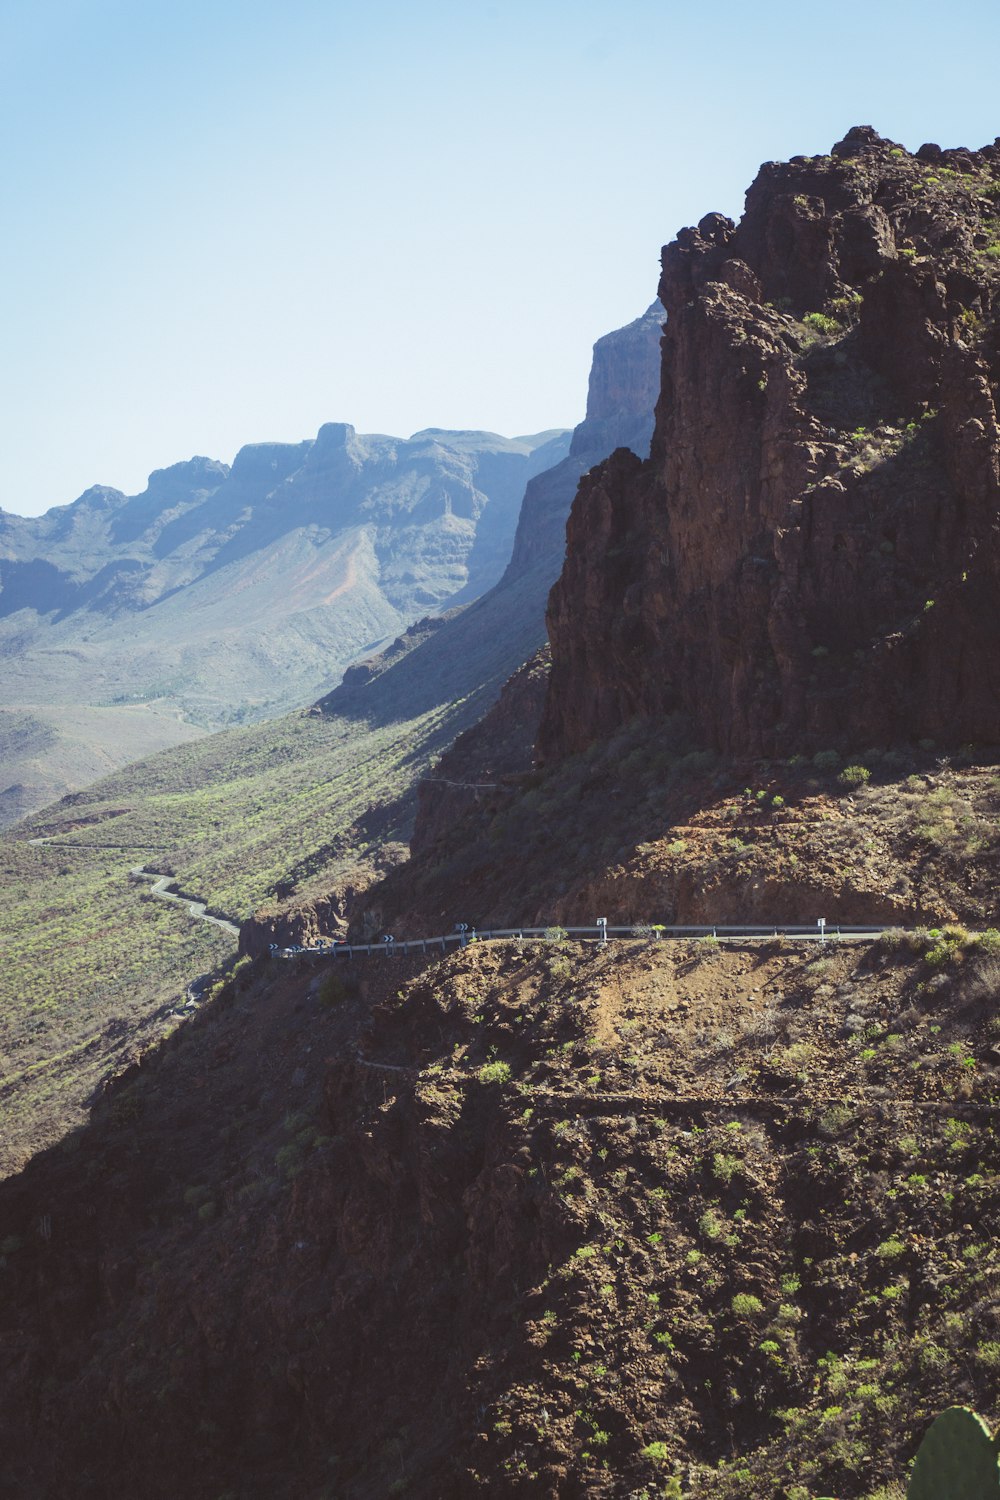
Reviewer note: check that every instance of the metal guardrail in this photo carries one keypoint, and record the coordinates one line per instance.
(600, 932)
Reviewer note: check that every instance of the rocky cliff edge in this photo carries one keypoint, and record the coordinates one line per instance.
(809, 558)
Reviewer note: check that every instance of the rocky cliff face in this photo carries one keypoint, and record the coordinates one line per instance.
(809, 557)
(624, 385)
(624, 381)
(621, 396)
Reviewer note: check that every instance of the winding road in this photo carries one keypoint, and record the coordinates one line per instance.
(601, 932)
(160, 883)
(161, 887)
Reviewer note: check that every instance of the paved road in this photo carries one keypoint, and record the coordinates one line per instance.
(160, 883)
(160, 887)
(820, 932)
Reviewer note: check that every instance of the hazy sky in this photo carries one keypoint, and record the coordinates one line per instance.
(232, 220)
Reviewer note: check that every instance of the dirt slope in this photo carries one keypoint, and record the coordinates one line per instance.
(535, 1221)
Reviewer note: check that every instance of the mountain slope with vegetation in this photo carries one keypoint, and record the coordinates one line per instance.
(302, 812)
(651, 1219)
(225, 594)
(711, 1222)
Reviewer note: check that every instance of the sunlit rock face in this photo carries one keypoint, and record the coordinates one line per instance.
(809, 557)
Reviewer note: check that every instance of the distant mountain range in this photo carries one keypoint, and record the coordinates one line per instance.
(221, 594)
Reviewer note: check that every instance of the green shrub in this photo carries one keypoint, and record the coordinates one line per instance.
(821, 323)
(826, 760)
(746, 1305)
(711, 1225)
(494, 1072)
(725, 1167)
(854, 776)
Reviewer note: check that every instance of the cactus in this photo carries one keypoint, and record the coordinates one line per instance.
(957, 1459)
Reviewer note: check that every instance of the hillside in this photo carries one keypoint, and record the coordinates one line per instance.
(221, 594)
(534, 1221)
(673, 1218)
(302, 812)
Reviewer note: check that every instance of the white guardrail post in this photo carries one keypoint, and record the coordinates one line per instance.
(602, 931)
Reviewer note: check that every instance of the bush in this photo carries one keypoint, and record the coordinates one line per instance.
(820, 323)
(494, 1072)
(826, 760)
(556, 934)
(852, 776)
(725, 1167)
(746, 1305)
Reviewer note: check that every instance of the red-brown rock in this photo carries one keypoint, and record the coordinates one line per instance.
(810, 556)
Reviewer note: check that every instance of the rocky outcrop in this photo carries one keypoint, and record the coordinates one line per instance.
(624, 380)
(809, 557)
(621, 395)
(624, 385)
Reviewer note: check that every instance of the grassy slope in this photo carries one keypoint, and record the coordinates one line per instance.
(46, 750)
(93, 961)
(243, 819)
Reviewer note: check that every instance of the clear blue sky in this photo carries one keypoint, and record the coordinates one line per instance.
(233, 220)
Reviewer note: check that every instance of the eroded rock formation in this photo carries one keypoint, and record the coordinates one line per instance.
(810, 555)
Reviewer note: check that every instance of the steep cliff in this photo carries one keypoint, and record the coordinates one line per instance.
(621, 395)
(810, 557)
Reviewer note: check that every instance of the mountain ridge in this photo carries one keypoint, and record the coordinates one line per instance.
(225, 593)
(554, 1218)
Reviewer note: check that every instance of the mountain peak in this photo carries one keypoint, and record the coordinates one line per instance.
(192, 473)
